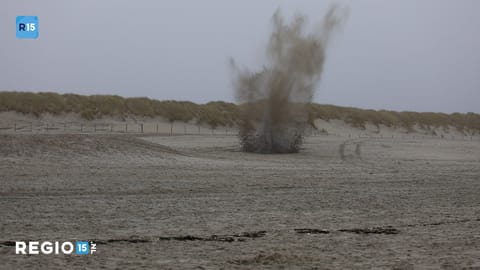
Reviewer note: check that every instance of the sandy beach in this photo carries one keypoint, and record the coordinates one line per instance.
(198, 202)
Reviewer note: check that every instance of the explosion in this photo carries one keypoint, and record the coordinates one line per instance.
(275, 100)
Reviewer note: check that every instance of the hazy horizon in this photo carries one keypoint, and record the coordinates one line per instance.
(402, 55)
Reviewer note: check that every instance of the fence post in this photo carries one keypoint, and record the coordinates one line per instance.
(141, 127)
(81, 127)
(157, 128)
(126, 128)
(94, 127)
(15, 127)
(111, 127)
(31, 127)
(184, 129)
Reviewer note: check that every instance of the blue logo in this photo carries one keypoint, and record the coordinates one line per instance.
(82, 248)
(27, 27)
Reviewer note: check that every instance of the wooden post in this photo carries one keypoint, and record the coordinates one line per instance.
(94, 127)
(157, 128)
(126, 127)
(81, 127)
(141, 127)
(184, 129)
(15, 127)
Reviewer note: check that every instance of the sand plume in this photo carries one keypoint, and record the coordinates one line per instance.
(275, 99)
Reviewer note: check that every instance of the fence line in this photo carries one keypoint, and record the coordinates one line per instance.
(183, 129)
(146, 128)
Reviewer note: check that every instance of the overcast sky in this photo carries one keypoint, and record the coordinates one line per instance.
(420, 55)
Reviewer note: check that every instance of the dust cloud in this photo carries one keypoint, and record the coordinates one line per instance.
(274, 100)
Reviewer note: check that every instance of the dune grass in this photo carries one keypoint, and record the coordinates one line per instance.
(219, 113)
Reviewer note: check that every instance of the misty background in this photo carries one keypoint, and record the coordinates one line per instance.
(398, 55)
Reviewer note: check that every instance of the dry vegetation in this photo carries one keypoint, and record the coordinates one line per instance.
(219, 113)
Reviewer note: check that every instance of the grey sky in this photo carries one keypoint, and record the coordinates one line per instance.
(420, 55)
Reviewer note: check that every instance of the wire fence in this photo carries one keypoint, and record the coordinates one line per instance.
(147, 128)
(19, 127)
